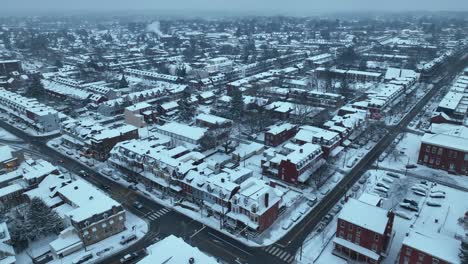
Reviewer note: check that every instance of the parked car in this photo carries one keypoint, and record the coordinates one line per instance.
(328, 218)
(437, 195)
(393, 175)
(115, 177)
(409, 206)
(312, 201)
(381, 189)
(83, 173)
(403, 215)
(433, 203)
(383, 185)
(411, 166)
(351, 162)
(296, 216)
(287, 224)
(336, 209)
(411, 201)
(107, 171)
(419, 193)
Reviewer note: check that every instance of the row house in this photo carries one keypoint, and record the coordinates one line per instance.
(249, 204)
(296, 166)
(153, 76)
(39, 116)
(278, 134)
(347, 121)
(140, 114)
(363, 239)
(426, 248)
(327, 139)
(446, 149)
(94, 139)
(315, 98)
(117, 106)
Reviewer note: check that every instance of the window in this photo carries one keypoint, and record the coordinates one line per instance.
(341, 234)
(342, 225)
(439, 152)
(435, 261)
(358, 240)
(421, 256)
(376, 237)
(438, 161)
(374, 247)
(434, 149)
(466, 157)
(358, 230)
(349, 237)
(426, 158)
(350, 227)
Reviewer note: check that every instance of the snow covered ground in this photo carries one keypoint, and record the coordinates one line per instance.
(406, 152)
(100, 250)
(442, 219)
(6, 135)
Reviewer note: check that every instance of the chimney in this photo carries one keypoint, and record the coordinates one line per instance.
(301, 150)
(267, 195)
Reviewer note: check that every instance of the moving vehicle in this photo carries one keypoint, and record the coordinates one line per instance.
(128, 239)
(128, 257)
(83, 258)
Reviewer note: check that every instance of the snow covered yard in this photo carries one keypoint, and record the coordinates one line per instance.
(134, 226)
(407, 152)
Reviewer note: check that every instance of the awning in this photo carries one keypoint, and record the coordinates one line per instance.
(356, 248)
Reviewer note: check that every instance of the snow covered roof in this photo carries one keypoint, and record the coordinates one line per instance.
(370, 198)
(212, 119)
(5, 153)
(365, 215)
(138, 106)
(442, 247)
(86, 199)
(277, 129)
(191, 132)
(307, 133)
(455, 137)
(173, 250)
(306, 152)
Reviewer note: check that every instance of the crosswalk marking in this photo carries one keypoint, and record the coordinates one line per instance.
(282, 255)
(279, 253)
(275, 251)
(157, 214)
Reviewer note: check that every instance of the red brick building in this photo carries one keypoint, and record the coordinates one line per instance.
(446, 150)
(363, 232)
(299, 165)
(423, 248)
(276, 135)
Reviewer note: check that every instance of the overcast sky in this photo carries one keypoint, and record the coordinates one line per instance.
(299, 7)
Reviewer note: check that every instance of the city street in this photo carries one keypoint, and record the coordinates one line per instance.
(164, 221)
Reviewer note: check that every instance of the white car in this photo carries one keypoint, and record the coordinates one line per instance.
(287, 224)
(296, 216)
(107, 171)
